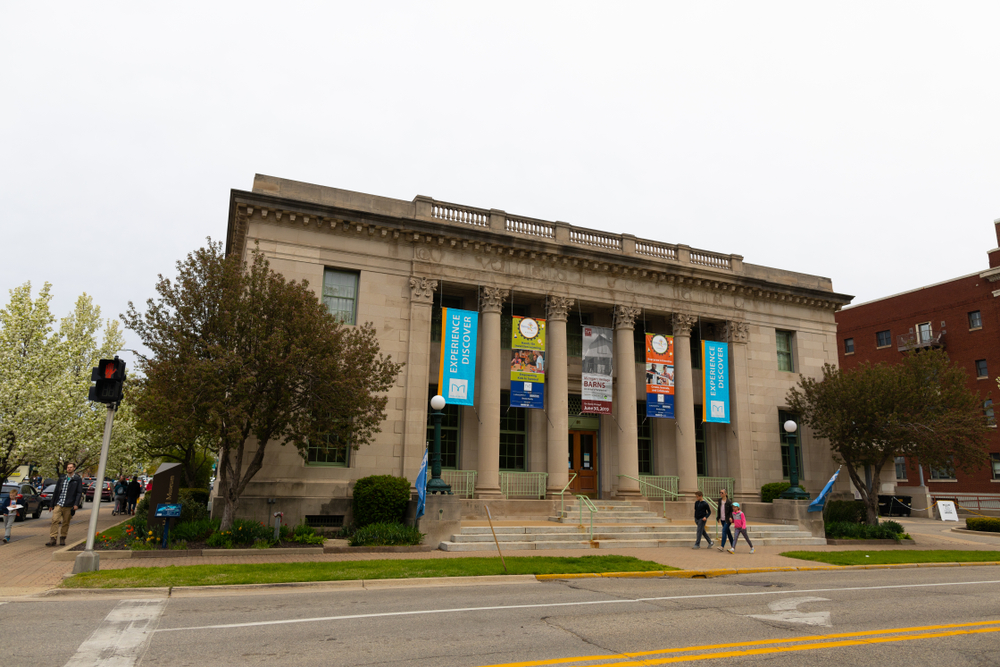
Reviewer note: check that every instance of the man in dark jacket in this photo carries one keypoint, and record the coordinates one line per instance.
(66, 499)
(702, 511)
(132, 494)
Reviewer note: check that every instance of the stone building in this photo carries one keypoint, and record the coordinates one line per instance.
(396, 263)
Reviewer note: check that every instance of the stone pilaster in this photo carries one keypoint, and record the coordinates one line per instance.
(556, 392)
(628, 435)
(417, 375)
(741, 454)
(490, 304)
(687, 455)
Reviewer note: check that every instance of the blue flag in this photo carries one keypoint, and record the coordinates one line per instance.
(817, 505)
(422, 486)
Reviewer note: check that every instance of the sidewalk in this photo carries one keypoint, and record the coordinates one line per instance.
(28, 568)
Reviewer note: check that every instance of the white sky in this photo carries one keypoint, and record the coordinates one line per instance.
(855, 140)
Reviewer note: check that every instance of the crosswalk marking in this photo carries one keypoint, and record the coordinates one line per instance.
(122, 637)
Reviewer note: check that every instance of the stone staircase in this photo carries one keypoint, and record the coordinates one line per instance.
(617, 524)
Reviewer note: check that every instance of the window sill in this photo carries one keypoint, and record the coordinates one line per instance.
(982, 377)
(882, 347)
(975, 328)
(943, 481)
(848, 354)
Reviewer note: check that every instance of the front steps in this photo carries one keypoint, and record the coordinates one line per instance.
(617, 525)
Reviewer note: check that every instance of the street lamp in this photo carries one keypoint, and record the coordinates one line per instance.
(435, 484)
(794, 492)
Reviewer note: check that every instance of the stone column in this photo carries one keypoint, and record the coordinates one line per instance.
(488, 481)
(741, 454)
(418, 354)
(628, 434)
(556, 392)
(687, 455)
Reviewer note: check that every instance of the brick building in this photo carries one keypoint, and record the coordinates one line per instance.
(961, 316)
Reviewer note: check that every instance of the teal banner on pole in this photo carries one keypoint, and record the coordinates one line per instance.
(715, 381)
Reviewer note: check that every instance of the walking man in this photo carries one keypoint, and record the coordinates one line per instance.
(66, 499)
(701, 513)
(8, 508)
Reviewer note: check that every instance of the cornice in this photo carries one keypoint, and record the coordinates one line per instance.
(476, 238)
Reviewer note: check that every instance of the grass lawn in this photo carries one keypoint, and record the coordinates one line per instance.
(872, 557)
(271, 573)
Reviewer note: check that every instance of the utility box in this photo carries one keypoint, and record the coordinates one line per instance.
(166, 489)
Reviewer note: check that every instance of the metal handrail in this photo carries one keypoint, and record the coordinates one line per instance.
(562, 497)
(591, 507)
(658, 488)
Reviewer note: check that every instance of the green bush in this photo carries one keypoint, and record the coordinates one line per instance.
(199, 496)
(193, 531)
(386, 534)
(850, 511)
(220, 539)
(380, 499)
(302, 534)
(983, 523)
(886, 530)
(769, 492)
(247, 532)
(192, 510)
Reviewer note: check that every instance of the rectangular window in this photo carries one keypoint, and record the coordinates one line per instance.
(900, 467)
(790, 440)
(981, 369)
(645, 428)
(574, 334)
(329, 451)
(699, 441)
(695, 347)
(784, 342)
(848, 346)
(995, 460)
(442, 302)
(975, 320)
(450, 432)
(924, 332)
(948, 472)
(513, 434)
(883, 338)
(340, 294)
(991, 419)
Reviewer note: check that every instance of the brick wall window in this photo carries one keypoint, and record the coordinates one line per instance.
(948, 472)
(900, 468)
(924, 332)
(340, 294)
(785, 340)
(975, 320)
(991, 419)
(981, 371)
(995, 460)
(883, 338)
(645, 433)
(848, 346)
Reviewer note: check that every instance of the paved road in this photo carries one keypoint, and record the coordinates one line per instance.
(911, 618)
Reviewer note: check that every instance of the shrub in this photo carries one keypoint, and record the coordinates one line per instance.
(220, 539)
(886, 530)
(386, 534)
(769, 492)
(193, 531)
(983, 523)
(248, 532)
(199, 496)
(849, 511)
(380, 499)
(302, 534)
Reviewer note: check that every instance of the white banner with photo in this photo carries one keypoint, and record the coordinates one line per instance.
(597, 353)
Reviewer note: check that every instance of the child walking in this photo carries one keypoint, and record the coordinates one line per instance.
(740, 527)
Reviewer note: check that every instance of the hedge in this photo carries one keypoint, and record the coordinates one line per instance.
(983, 523)
(380, 499)
(886, 530)
(769, 492)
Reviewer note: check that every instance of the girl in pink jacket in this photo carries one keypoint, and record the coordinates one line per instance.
(740, 528)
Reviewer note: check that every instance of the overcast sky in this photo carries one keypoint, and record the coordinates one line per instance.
(857, 141)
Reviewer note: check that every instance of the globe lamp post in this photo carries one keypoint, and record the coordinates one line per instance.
(435, 484)
(794, 492)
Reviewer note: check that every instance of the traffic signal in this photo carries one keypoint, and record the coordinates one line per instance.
(110, 378)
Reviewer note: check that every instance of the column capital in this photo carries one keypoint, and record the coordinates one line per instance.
(491, 299)
(422, 289)
(557, 307)
(682, 324)
(625, 316)
(736, 332)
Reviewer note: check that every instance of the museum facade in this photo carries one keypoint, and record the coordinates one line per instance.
(535, 420)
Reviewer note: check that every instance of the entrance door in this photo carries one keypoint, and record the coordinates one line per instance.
(583, 462)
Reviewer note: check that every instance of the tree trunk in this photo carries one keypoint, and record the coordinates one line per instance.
(228, 512)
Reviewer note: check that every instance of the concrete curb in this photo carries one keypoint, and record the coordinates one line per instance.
(721, 572)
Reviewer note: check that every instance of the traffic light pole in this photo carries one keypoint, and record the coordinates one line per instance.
(89, 560)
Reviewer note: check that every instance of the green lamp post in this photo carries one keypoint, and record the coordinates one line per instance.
(435, 484)
(794, 492)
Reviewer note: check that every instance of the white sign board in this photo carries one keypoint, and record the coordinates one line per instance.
(947, 510)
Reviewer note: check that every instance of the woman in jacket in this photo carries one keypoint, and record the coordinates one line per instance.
(724, 515)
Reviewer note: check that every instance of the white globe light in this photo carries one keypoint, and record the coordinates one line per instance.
(437, 403)
(790, 426)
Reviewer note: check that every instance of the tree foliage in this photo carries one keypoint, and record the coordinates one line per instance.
(921, 407)
(242, 358)
(45, 417)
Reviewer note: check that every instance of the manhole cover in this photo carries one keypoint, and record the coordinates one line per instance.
(762, 584)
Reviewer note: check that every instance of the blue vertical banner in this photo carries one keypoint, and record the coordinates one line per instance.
(715, 381)
(457, 373)
(421, 485)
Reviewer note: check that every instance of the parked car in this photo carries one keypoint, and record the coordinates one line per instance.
(46, 496)
(26, 496)
(106, 492)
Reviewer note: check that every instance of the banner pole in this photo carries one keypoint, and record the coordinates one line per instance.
(490, 517)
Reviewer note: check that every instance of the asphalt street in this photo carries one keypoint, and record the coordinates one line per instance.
(911, 617)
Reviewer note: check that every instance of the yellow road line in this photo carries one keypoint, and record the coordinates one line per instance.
(860, 638)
